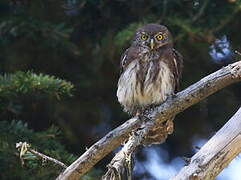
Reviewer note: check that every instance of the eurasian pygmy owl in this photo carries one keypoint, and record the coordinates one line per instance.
(150, 72)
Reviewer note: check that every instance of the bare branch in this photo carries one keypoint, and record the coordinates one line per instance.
(100, 149)
(216, 154)
(181, 101)
(24, 147)
(43, 156)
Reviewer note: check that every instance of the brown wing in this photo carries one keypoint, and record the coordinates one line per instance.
(128, 56)
(178, 66)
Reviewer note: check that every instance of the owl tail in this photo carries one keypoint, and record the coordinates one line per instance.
(159, 133)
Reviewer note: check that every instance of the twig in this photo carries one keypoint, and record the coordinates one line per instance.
(24, 147)
(43, 156)
(184, 99)
(216, 154)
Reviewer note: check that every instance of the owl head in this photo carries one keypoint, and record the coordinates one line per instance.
(152, 37)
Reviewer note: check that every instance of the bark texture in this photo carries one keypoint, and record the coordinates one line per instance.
(216, 154)
(120, 168)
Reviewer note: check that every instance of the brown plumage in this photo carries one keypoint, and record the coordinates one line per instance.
(150, 72)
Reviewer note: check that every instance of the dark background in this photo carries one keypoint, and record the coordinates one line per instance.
(81, 41)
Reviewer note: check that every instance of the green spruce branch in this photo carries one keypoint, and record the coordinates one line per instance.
(26, 82)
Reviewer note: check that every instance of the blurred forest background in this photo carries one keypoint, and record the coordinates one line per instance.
(81, 41)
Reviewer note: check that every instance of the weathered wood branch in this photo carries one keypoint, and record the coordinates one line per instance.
(216, 154)
(44, 157)
(181, 101)
(99, 150)
(120, 166)
(24, 147)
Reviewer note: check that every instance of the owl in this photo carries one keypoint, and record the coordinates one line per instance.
(150, 72)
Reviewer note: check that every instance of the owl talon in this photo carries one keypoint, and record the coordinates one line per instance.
(143, 118)
(141, 115)
(149, 109)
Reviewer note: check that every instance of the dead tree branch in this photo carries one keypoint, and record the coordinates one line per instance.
(216, 154)
(24, 148)
(172, 106)
(99, 150)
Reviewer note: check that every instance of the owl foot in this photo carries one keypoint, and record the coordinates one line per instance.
(149, 109)
(140, 113)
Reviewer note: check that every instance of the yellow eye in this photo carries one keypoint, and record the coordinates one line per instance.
(159, 37)
(144, 37)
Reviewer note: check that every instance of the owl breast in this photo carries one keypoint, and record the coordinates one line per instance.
(141, 85)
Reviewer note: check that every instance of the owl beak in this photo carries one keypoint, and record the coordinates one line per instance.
(152, 44)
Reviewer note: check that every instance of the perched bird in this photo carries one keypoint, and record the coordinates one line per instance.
(150, 72)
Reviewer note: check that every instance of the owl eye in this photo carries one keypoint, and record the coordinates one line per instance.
(144, 37)
(159, 37)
